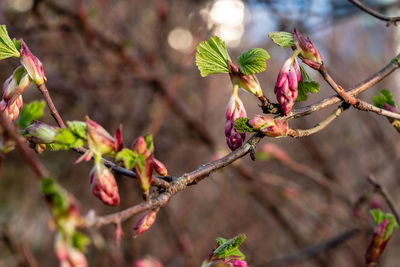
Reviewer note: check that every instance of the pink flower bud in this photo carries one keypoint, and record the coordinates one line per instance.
(377, 243)
(32, 65)
(139, 146)
(234, 110)
(99, 140)
(148, 262)
(40, 133)
(160, 167)
(249, 83)
(118, 145)
(103, 184)
(286, 85)
(144, 172)
(237, 263)
(269, 126)
(308, 53)
(145, 222)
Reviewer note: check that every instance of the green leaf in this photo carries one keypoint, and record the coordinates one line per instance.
(71, 137)
(149, 142)
(78, 128)
(30, 112)
(241, 125)
(128, 157)
(212, 57)
(7, 46)
(80, 241)
(305, 86)
(253, 61)
(379, 216)
(385, 96)
(230, 247)
(56, 195)
(284, 39)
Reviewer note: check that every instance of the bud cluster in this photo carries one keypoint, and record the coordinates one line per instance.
(269, 126)
(307, 51)
(249, 83)
(286, 85)
(234, 110)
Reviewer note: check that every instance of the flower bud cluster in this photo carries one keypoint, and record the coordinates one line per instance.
(308, 53)
(286, 85)
(234, 110)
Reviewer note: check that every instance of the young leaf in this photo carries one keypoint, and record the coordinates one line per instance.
(379, 216)
(56, 196)
(253, 61)
(30, 112)
(71, 137)
(385, 96)
(80, 241)
(212, 57)
(230, 247)
(7, 46)
(149, 142)
(128, 157)
(306, 85)
(241, 125)
(284, 39)
(78, 128)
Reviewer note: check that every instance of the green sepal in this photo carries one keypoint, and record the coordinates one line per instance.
(384, 96)
(305, 86)
(212, 57)
(56, 195)
(229, 247)
(284, 39)
(241, 125)
(379, 216)
(30, 112)
(128, 157)
(253, 61)
(8, 48)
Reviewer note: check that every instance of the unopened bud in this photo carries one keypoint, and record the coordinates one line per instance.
(308, 53)
(144, 174)
(377, 243)
(32, 65)
(145, 222)
(99, 140)
(40, 133)
(249, 83)
(139, 146)
(103, 184)
(160, 167)
(269, 126)
(234, 110)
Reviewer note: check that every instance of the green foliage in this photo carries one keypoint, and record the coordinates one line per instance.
(149, 142)
(385, 96)
(56, 196)
(306, 85)
(241, 125)
(128, 157)
(229, 247)
(379, 216)
(8, 48)
(212, 57)
(30, 112)
(71, 137)
(284, 39)
(80, 241)
(253, 61)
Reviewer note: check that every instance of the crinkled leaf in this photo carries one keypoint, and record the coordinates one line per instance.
(306, 85)
(30, 112)
(379, 216)
(7, 46)
(56, 195)
(253, 61)
(241, 125)
(212, 57)
(384, 96)
(128, 157)
(284, 39)
(78, 128)
(80, 241)
(230, 247)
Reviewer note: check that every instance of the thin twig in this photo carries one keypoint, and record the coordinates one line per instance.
(53, 110)
(385, 194)
(374, 13)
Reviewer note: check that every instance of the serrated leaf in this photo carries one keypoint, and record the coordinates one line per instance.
(284, 39)
(30, 112)
(230, 248)
(128, 157)
(253, 61)
(56, 195)
(78, 128)
(306, 85)
(241, 125)
(212, 57)
(384, 96)
(7, 46)
(379, 216)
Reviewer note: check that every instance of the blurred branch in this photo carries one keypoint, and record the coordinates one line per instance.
(385, 194)
(374, 13)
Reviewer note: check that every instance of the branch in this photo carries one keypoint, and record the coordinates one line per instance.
(178, 185)
(374, 13)
(385, 194)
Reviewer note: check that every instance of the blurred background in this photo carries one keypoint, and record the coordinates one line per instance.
(132, 62)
